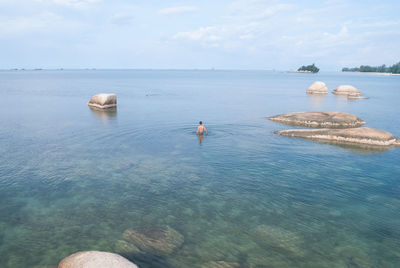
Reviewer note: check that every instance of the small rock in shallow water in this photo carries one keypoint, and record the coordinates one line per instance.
(364, 135)
(319, 119)
(346, 90)
(317, 88)
(156, 241)
(95, 259)
(103, 101)
(123, 247)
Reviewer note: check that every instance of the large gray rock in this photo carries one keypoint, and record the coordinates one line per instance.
(103, 101)
(319, 119)
(346, 90)
(156, 241)
(317, 88)
(364, 135)
(95, 259)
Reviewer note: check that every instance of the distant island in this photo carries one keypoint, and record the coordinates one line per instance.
(308, 69)
(394, 69)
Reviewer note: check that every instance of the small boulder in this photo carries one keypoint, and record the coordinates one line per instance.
(103, 101)
(364, 135)
(156, 241)
(346, 90)
(317, 88)
(95, 259)
(319, 119)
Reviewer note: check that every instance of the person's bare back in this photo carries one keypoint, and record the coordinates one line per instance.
(201, 129)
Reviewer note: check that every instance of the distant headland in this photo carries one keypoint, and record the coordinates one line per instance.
(394, 69)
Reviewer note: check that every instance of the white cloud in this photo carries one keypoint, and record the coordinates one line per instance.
(42, 23)
(257, 9)
(177, 10)
(71, 3)
(122, 18)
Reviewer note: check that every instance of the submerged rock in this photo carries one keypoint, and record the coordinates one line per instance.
(346, 90)
(356, 97)
(364, 135)
(317, 88)
(220, 264)
(319, 119)
(95, 259)
(103, 101)
(279, 239)
(156, 241)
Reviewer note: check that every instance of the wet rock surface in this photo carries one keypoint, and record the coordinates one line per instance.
(319, 119)
(346, 90)
(103, 101)
(317, 88)
(156, 241)
(95, 259)
(364, 135)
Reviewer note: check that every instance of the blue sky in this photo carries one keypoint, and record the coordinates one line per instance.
(237, 34)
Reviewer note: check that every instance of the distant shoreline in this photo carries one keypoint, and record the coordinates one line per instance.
(377, 73)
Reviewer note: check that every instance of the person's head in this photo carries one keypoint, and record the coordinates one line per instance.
(200, 123)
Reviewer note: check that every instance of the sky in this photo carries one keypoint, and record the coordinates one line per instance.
(198, 34)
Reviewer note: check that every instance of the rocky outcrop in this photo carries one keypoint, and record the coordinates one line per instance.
(346, 90)
(103, 101)
(317, 88)
(277, 238)
(319, 119)
(95, 259)
(156, 241)
(220, 264)
(367, 136)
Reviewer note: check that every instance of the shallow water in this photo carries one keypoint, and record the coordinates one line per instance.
(73, 179)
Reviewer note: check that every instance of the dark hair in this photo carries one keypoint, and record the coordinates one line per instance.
(200, 123)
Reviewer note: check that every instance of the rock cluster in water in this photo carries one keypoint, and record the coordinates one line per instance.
(95, 259)
(337, 127)
(317, 88)
(364, 135)
(320, 88)
(319, 119)
(155, 241)
(103, 101)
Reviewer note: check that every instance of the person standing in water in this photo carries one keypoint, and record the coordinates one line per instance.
(201, 129)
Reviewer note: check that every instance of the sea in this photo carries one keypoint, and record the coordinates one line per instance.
(75, 179)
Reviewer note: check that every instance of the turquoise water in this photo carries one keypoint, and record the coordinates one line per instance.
(74, 179)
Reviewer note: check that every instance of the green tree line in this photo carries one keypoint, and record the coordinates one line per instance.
(395, 69)
(312, 68)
